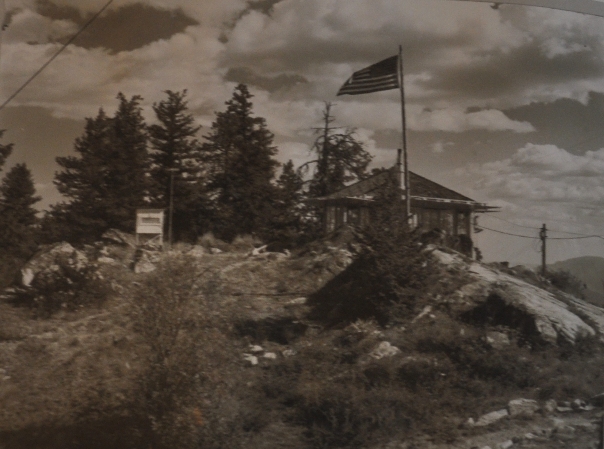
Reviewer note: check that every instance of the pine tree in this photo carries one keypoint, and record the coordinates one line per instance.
(17, 216)
(107, 180)
(5, 150)
(176, 157)
(239, 152)
(287, 223)
(340, 158)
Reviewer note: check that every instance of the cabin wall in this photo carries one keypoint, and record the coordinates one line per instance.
(454, 225)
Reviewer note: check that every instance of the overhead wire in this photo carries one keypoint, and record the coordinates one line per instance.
(54, 56)
(507, 233)
(579, 235)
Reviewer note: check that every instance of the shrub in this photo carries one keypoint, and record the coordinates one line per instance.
(188, 356)
(567, 282)
(65, 289)
(386, 279)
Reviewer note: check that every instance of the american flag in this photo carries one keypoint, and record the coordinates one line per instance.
(382, 75)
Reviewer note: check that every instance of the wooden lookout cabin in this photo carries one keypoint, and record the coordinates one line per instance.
(435, 209)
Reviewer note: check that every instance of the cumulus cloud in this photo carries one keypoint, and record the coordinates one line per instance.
(544, 173)
(456, 120)
(27, 25)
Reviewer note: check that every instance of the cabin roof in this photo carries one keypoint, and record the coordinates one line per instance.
(422, 189)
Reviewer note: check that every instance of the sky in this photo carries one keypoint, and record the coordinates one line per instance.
(504, 104)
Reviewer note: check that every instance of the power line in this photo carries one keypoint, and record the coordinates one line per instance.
(537, 238)
(53, 57)
(507, 233)
(580, 236)
(511, 222)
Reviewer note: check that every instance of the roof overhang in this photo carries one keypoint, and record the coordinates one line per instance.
(416, 201)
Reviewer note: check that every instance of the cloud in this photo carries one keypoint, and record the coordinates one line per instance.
(271, 84)
(27, 25)
(456, 120)
(544, 173)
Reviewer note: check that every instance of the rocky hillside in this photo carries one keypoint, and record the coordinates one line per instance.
(229, 346)
(590, 271)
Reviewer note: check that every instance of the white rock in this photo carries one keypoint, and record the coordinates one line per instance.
(197, 251)
(251, 358)
(424, 312)
(550, 406)
(144, 266)
(552, 318)
(104, 259)
(270, 355)
(519, 407)
(256, 348)
(288, 353)
(27, 275)
(297, 301)
(498, 340)
(492, 417)
(384, 349)
(215, 251)
(506, 444)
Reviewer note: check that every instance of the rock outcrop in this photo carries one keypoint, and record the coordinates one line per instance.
(60, 259)
(503, 299)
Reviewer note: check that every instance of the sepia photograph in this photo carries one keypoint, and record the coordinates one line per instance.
(301, 224)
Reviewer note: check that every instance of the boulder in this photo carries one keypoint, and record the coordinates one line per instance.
(252, 359)
(144, 261)
(505, 445)
(384, 349)
(526, 306)
(497, 340)
(491, 418)
(288, 353)
(116, 237)
(522, 407)
(550, 406)
(197, 251)
(60, 259)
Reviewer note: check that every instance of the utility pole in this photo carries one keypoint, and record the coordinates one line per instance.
(543, 237)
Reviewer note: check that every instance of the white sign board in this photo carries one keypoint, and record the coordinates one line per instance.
(150, 221)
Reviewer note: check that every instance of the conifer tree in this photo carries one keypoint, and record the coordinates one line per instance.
(176, 161)
(239, 152)
(5, 150)
(107, 180)
(17, 215)
(340, 158)
(287, 223)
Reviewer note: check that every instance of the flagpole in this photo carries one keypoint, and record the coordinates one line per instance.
(404, 135)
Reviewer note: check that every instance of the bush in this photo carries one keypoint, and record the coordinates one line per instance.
(388, 276)
(188, 356)
(65, 289)
(567, 282)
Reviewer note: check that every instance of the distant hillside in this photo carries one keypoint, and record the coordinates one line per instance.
(590, 270)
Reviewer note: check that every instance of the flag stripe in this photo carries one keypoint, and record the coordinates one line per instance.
(380, 76)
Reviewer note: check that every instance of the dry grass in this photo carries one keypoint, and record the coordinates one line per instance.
(80, 374)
